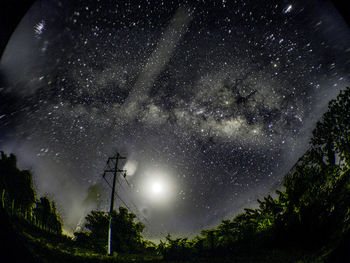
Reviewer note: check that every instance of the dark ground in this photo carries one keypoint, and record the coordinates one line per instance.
(12, 248)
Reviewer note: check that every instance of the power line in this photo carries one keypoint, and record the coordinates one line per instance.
(117, 196)
(138, 211)
(134, 205)
(126, 190)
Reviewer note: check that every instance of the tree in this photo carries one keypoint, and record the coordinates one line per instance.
(46, 214)
(18, 185)
(332, 134)
(176, 248)
(311, 212)
(126, 233)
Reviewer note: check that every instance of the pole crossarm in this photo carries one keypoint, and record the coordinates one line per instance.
(112, 171)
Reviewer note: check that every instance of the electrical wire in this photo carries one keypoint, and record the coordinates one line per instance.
(118, 196)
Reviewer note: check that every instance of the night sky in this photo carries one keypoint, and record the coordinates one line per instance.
(211, 102)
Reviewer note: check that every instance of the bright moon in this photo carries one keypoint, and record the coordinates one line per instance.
(157, 188)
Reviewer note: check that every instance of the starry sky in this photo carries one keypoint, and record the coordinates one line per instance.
(215, 100)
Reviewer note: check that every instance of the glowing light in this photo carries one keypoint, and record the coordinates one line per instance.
(288, 9)
(39, 27)
(157, 187)
(130, 167)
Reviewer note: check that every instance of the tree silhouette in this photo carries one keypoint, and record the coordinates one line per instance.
(332, 134)
(45, 212)
(311, 214)
(126, 233)
(312, 210)
(18, 185)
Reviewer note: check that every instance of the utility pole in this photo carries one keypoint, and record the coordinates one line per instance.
(114, 171)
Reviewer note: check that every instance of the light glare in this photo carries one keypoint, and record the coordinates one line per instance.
(157, 188)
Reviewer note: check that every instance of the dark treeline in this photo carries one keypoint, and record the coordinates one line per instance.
(311, 215)
(307, 221)
(126, 235)
(19, 196)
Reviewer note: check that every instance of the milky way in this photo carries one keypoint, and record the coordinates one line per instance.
(220, 96)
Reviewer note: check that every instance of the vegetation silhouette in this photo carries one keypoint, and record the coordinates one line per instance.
(19, 195)
(311, 215)
(18, 185)
(307, 221)
(126, 233)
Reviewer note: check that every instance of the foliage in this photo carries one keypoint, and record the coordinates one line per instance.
(306, 222)
(18, 185)
(19, 196)
(176, 248)
(126, 233)
(331, 137)
(311, 212)
(45, 212)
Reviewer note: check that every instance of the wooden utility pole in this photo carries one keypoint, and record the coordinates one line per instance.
(114, 171)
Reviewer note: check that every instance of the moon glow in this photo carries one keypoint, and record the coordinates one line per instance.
(157, 188)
